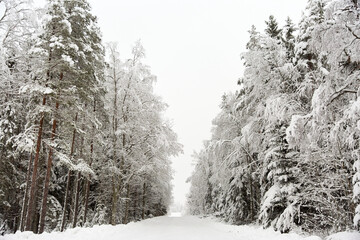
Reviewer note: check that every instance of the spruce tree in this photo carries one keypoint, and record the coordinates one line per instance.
(289, 39)
(272, 28)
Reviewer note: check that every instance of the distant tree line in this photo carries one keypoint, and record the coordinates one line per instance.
(285, 147)
(83, 140)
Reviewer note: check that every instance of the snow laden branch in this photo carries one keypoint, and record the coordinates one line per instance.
(284, 147)
(82, 135)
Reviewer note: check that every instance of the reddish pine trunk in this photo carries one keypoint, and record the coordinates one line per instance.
(68, 182)
(26, 195)
(66, 201)
(77, 195)
(48, 173)
(31, 205)
(87, 192)
(87, 182)
(77, 185)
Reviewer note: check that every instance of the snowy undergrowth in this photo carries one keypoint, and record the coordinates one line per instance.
(256, 232)
(188, 227)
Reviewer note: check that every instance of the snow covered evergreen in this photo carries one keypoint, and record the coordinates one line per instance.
(74, 150)
(83, 140)
(295, 118)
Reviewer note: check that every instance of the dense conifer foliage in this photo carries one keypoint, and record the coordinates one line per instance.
(284, 150)
(83, 140)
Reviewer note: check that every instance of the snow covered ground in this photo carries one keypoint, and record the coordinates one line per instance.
(172, 227)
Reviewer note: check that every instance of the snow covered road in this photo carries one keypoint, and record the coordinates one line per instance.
(164, 228)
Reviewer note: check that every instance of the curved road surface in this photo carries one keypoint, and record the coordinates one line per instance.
(162, 228)
(184, 228)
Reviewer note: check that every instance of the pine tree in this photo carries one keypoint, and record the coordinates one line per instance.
(89, 59)
(54, 32)
(272, 28)
(254, 41)
(289, 39)
(60, 80)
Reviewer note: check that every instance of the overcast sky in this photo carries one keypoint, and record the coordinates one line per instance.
(193, 47)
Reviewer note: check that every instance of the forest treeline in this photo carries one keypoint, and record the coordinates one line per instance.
(285, 149)
(83, 140)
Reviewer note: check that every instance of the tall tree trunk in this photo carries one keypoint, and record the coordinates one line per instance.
(77, 195)
(114, 182)
(143, 202)
(77, 184)
(31, 204)
(126, 216)
(26, 195)
(117, 189)
(48, 173)
(115, 192)
(66, 201)
(68, 182)
(252, 214)
(134, 205)
(113, 201)
(87, 190)
(35, 225)
(87, 182)
(87, 185)
(121, 178)
(35, 221)
(16, 224)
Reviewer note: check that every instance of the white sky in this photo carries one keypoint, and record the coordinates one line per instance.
(193, 47)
